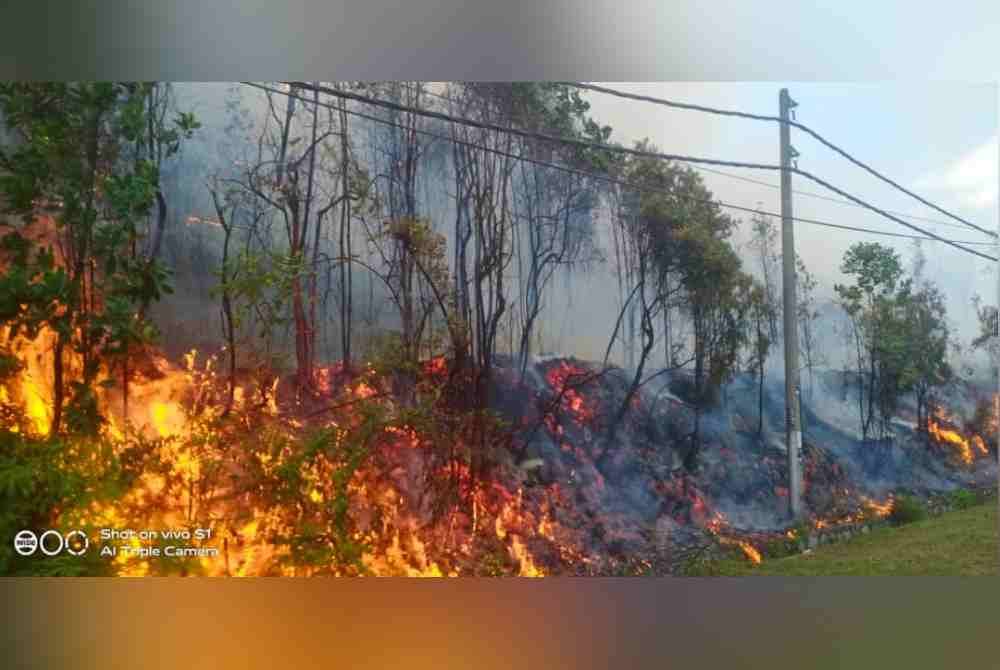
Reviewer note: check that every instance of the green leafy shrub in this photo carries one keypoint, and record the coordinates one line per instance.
(779, 548)
(907, 509)
(962, 499)
(49, 483)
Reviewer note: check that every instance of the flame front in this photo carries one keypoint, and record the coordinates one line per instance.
(944, 435)
(198, 482)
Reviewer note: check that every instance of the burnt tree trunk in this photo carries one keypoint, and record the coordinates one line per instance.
(346, 278)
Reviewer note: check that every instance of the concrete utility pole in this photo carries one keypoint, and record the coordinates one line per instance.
(792, 417)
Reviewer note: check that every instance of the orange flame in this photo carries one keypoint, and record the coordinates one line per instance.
(562, 375)
(750, 552)
(951, 437)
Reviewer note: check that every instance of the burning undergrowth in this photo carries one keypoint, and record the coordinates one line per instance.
(381, 474)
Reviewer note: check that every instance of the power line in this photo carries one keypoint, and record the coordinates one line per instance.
(636, 152)
(877, 232)
(795, 124)
(820, 196)
(751, 180)
(484, 125)
(847, 195)
(625, 183)
(760, 182)
(671, 103)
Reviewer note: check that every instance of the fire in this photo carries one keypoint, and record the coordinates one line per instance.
(870, 508)
(750, 552)
(880, 510)
(437, 365)
(560, 378)
(30, 389)
(179, 407)
(941, 434)
(528, 567)
(166, 418)
(513, 523)
(717, 524)
(545, 527)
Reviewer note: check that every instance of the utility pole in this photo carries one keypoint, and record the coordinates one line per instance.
(793, 426)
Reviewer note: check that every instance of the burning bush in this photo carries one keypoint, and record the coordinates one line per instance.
(984, 422)
(943, 430)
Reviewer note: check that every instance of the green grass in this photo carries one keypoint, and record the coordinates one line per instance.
(956, 543)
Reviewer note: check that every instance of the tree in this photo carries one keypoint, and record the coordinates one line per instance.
(760, 317)
(676, 252)
(765, 302)
(988, 329)
(645, 230)
(160, 141)
(764, 242)
(714, 283)
(226, 209)
(899, 334)
(807, 316)
(79, 156)
(285, 176)
(930, 338)
(554, 226)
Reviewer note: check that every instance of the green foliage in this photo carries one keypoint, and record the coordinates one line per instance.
(74, 156)
(963, 499)
(779, 548)
(555, 109)
(761, 314)
(387, 355)
(75, 153)
(260, 288)
(47, 483)
(319, 531)
(900, 331)
(679, 232)
(956, 543)
(801, 529)
(705, 565)
(877, 268)
(907, 509)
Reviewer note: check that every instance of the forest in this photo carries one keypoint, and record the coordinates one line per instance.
(335, 333)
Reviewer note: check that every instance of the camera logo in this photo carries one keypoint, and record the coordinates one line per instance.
(51, 543)
(25, 543)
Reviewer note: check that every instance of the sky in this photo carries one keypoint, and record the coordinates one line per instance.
(938, 140)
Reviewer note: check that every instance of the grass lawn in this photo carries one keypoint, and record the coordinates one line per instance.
(956, 543)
